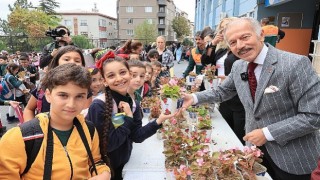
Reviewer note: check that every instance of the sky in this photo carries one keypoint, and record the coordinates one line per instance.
(107, 7)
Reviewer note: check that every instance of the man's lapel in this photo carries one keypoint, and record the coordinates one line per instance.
(266, 73)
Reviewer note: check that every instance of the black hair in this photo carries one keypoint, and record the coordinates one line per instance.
(153, 53)
(63, 50)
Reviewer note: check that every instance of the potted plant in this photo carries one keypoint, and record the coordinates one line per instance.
(191, 78)
(170, 93)
(209, 77)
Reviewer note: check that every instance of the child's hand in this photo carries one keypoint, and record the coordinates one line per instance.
(164, 117)
(125, 107)
(103, 176)
(164, 68)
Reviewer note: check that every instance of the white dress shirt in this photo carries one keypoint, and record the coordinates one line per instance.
(259, 60)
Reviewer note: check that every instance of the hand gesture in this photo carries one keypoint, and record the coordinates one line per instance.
(163, 68)
(256, 137)
(125, 107)
(164, 117)
(187, 101)
(218, 38)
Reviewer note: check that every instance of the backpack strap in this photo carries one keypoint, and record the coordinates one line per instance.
(85, 142)
(33, 136)
(91, 128)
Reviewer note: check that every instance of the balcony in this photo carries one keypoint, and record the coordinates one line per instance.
(162, 2)
(161, 26)
(161, 14)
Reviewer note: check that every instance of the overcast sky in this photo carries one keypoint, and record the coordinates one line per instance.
(107, 7)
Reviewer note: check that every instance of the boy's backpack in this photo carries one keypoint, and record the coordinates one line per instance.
(33, 136)
(40, 95)
(7, 90)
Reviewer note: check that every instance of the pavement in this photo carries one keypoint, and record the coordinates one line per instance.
(178, 70)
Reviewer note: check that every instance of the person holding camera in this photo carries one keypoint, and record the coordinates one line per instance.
(61, 36)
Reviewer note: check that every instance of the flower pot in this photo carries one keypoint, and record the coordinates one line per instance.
(190, 80)
(159, 135)
(211, 85)
(259, 169)
(170, 175)
(208, 133)
(168, 105)
(118, 120)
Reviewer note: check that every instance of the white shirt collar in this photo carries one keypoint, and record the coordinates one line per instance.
(262, 56)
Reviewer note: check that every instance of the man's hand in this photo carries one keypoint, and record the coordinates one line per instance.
(187, 101)
(256, 137)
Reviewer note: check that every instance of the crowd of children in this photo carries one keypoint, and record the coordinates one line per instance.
(62, 99)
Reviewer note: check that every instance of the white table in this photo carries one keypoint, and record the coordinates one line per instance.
(147, 160)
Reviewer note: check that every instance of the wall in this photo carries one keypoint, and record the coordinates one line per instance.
(297, 40)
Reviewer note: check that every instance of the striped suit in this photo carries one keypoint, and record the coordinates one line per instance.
(291, 114)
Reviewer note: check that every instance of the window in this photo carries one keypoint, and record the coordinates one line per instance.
(161, 9)
(129, 9)
(130, 21)
(149, 21)
(161, 32)
(110, 23)
(148, 9)
(130, 32)
(84, 34)
(83, 23)
(67, 23)
(161, 21)
(102, 23)
(102, 34)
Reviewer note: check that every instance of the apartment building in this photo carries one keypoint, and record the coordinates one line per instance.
(101, 29)
(132, 13)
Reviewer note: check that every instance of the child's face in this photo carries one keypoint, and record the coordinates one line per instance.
(152, 59)
(70, 57)
(2, 61)
(67, 101)
(138, 75)
(148, 74)
(117, 77)
(24, 63)
(96, 84)
(156, 70)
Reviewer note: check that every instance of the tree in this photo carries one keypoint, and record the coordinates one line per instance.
(48, 6)
(82, 42)
(24, 4)
(181, 27)
(145, 32)
(187, 42)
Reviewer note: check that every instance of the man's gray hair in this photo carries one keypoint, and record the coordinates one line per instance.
(255, 25)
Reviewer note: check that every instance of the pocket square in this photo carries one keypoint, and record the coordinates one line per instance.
(271, 89)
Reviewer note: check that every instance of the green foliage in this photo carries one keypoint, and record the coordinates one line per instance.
(20, 3)
(172, 92)
(187, 42)
(82, 42)
(145, 32)
(48, 6)
(181, 27)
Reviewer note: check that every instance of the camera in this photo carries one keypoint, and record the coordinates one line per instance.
(57, 32)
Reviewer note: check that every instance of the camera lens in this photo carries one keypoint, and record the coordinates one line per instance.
(61, 32)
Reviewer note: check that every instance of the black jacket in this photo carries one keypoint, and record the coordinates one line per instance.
(234, 104)
(120, 140)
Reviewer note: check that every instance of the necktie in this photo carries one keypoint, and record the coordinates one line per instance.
(252, 79)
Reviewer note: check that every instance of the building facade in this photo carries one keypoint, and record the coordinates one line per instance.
(303, 16)
(158, 12)
(99, 28)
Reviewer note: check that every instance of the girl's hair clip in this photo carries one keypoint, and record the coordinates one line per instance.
(105, 57)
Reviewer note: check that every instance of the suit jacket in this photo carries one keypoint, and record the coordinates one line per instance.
(291, 114)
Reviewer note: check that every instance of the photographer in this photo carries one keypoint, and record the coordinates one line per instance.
(61, 36)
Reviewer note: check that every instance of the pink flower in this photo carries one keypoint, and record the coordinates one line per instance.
(173, 82)
(173, 121)
(182, 167)
(207, 140)
(200, 162)
(189, 172)
(205, 150)
(200, 153)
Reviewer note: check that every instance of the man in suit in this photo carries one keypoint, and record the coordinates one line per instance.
(280, 92)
